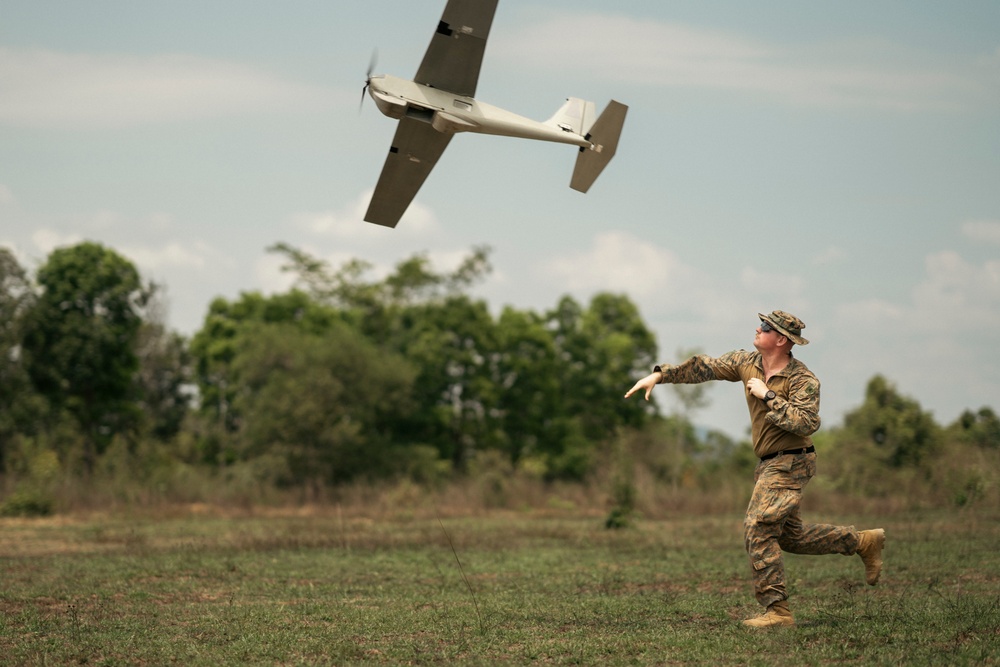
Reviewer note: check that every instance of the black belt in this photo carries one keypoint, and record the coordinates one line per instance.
(802, 450)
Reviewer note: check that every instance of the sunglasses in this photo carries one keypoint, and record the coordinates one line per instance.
(765, 327)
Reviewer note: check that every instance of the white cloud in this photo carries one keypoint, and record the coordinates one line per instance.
(43, 88)
(932, 345)
(171, 254)
(831, 255)
(678, 298)
(22, 257)
(47, 240)
(618, 261)
(962, 296)
(982, 230)
(762, 280)
(269, 275)
(877, 315)
(103, 220)
(6, 196)
(347, 224)
(351, 238)
(851, 73)
(171, 258)
(954, 300)
(630, 47)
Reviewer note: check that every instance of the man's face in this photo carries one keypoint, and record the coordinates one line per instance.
(766, 337)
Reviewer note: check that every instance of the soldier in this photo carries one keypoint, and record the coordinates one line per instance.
(783, 398)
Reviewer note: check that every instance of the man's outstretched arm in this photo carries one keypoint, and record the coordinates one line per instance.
(697, 369)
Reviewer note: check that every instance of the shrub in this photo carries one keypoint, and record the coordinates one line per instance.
(27, 502)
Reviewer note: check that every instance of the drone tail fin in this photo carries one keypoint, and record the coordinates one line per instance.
(575, 115)
(603, 136)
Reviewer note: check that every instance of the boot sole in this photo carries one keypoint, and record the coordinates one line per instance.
(767, 626)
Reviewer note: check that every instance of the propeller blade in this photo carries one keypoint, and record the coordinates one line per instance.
(368, 77)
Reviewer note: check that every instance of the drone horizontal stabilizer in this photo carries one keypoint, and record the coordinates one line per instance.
(603, 136)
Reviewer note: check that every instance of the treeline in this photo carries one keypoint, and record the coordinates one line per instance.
(347, 379)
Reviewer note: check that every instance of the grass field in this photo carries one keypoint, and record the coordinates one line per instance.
(330, 587)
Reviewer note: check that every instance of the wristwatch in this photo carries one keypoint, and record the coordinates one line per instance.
(769, 395)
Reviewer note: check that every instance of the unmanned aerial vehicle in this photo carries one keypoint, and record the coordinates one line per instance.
(439, 102)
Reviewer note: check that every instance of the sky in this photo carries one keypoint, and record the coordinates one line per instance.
(839, 160)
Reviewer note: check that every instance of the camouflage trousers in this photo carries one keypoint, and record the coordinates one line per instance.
(773, 525)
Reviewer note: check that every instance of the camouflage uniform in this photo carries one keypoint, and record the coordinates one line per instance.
(772, 521)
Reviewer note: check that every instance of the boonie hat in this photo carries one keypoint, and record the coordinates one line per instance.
(787, 325)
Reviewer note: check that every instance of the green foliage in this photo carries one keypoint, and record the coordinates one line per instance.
(27, 502)
(163, 378)
(598, 348)
(214, 347)
(352, 378)
(452, 344)
(21, 407)
(413, 282)
(317, 401)
(543, 386)
(80, 337)
(971, 491)
(900, 431)
(16, 297)
(39, 469)
(288, 377)
(889, 447)
(528, 386)
(980, 428)
(623, 494)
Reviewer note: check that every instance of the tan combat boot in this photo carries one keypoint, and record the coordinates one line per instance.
(870, 545)
(778, 614)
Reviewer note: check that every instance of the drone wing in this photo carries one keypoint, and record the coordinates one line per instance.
(415, 150)
(451, 63)
(455, 54)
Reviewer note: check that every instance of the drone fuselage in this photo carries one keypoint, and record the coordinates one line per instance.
(450, 113)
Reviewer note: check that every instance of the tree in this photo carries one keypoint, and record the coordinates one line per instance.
(600, 348)
(80, 340)
(426, 317)
(896, 425)
(374, 306)
(527, 381)
(16, 297)
(214, 347)
(317, 402)
(981, 428)
(452, 345)
(18, 407)
(528, 384)
(164, 379)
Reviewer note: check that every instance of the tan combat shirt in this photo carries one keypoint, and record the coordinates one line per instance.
(785, 422)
